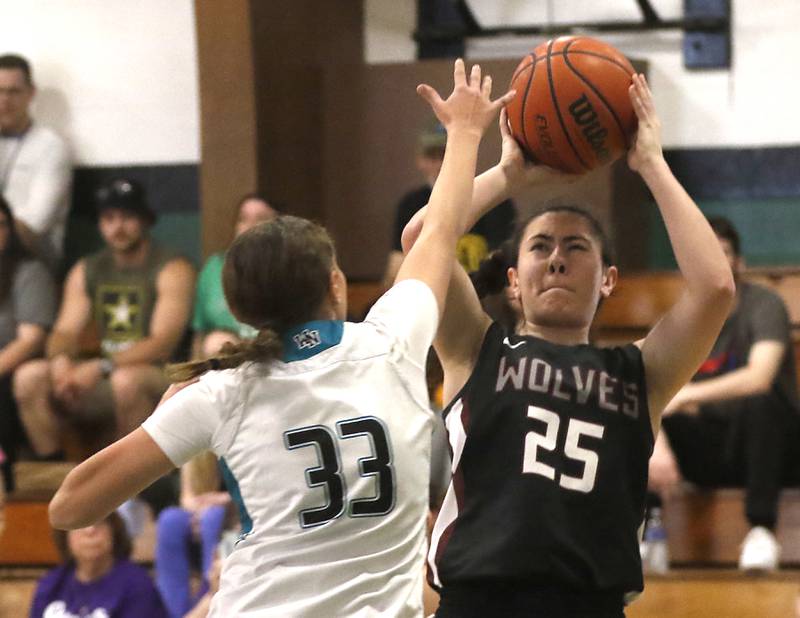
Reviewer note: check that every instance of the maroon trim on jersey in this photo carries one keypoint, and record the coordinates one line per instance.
(457, 481)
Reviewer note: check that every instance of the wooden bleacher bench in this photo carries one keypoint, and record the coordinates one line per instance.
(27, 539)
(705, 528)
(639, 300)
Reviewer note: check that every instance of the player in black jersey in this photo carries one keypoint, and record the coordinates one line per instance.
(551, 436)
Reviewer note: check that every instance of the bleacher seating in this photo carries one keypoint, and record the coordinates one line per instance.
(639, 300)
(704, 528)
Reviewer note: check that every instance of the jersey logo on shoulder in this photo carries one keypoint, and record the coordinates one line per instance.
(307, 339)
(513, 346)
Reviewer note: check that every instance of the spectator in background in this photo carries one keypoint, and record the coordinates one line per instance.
(96, 577)
(737, 422)
(183, 530)
(35, 166)
(139, 295)
(212, 323)
(27, 309)
(492, 229)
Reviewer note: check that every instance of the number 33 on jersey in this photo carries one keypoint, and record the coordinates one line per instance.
(370, 493)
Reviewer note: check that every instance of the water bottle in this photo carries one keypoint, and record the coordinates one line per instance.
(654, 550)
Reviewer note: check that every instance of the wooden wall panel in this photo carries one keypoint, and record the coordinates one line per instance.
(227, 115)
(303, 130)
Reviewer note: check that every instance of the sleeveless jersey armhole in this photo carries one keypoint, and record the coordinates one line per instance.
(491, 342)
(633, 354)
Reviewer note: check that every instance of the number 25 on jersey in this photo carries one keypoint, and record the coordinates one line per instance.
(571, 448)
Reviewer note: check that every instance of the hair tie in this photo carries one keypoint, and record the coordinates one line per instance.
(214, 363)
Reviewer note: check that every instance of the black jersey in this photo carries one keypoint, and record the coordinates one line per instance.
(550, 445)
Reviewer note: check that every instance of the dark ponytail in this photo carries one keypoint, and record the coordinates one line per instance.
(491, 276)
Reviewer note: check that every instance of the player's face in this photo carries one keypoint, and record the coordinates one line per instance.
(251, 213)
(122, 230)
(560, 276)
(91, 544)
(15, 98)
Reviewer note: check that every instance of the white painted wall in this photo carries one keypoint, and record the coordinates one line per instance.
(388, 29)
(750, 104)
(118, 78)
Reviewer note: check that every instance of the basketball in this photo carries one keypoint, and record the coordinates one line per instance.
(572, 110)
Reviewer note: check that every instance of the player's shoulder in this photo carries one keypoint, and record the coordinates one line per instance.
(407, 297)
(226, 387)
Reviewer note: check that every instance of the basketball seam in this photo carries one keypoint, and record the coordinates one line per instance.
(595, 54)
(558, 110)
(599, 95)
(523, 124)
(521, 69)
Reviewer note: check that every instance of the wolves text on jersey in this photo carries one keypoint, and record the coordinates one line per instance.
(577, 384)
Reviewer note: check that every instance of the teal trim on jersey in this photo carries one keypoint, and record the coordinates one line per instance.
(305, 340)
(236, 495)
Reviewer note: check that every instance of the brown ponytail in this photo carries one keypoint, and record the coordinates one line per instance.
(265, 347)
(275, 275)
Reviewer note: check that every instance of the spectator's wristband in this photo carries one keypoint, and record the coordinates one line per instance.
(106, 366)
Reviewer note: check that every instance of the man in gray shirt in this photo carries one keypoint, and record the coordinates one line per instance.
(738, 421)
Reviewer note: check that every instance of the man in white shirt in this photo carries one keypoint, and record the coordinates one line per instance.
(35, 166)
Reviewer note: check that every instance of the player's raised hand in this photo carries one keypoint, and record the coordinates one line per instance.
(521, 171)
(469, 107)
(646, 147)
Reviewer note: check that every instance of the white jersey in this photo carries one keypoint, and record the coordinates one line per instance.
(327, 455)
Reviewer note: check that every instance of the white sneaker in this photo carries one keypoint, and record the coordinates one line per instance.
(760, 551)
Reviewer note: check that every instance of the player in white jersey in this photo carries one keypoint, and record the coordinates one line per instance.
(322, 427)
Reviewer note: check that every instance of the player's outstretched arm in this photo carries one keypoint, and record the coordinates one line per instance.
(100, 484)
(465, 114)
(682, 339)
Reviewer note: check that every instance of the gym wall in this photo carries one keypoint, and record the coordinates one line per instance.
(118, 79)
(727, 133)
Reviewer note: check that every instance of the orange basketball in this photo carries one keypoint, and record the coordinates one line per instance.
(572, 109)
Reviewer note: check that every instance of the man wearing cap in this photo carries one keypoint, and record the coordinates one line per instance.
(35, 166)
(138, 295)
(492, 229)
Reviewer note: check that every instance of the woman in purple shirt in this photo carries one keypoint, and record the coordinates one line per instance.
(97, 579)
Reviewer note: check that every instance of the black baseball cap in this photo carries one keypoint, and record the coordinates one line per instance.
(126, 194)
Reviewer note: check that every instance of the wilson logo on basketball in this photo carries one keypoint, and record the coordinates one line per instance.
(543, 131)
(585, 117)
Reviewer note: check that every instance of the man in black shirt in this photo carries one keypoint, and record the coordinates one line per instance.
(491, 230)
(735, 424)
